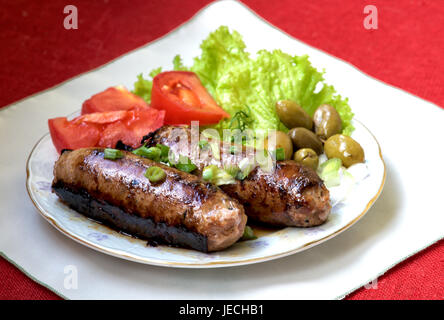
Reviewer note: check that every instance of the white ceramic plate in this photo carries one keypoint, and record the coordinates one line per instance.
(271, 244)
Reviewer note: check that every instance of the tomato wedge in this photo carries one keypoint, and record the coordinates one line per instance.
(105, 129)
(102, 117)
(68, 135)
(113, 99)
(185, 99)
(138, 123)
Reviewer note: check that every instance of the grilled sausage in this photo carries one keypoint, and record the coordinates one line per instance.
(182, 210)
(291, 195)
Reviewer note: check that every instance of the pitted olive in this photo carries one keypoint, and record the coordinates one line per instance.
(307, 157)
(344, 148)
(292, 115)
(304, 138)
(327, 121)
(279, 139)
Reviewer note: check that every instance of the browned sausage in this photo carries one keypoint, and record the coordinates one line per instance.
(182, 210)
(291, 195)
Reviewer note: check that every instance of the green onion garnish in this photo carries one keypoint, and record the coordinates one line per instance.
(232, 170)
(244, 138)
(164, 151)
(203, 144)
(248, 234)
(241, 119)
(216, 175)
(186, 167)
(113, 154)
(241, 175)
(214, 142)
(155, 174)
(215, 150)
(330, 165)
(280, 154)
(245, 168)
(152, 153)
(185, 164)
(329, 172)
(208, 173)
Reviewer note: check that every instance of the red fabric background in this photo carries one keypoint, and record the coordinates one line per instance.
(406, 51)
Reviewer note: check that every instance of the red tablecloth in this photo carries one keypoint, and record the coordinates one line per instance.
(406, 51)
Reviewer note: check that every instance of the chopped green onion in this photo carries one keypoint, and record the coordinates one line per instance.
(203, 144)
(330, 165)
(215, 149)
(208, 173)
(244, 138)
(248, 234)
(241, 175)
(245, 168)
(152, 153)
(232, 170)
(280, 154)
(241, 119)
(214, 142)
(217, 175)
(329, 172)
(185, 164)
(164, 151)
(186, 167)
(265, 160)
(113, 154)
(155, 174)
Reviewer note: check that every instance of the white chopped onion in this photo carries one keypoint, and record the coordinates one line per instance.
(340, 192)
(322, 158)
(340, 183)
(359, 171)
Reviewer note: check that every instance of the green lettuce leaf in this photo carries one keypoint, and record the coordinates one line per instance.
(240, 83)
(142, 87)
(178, 64)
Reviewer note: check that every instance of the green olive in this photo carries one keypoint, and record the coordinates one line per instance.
(307, 157)
(292, 115)
(304, 138)
(344, 148)
(279, 139)
(327, 121)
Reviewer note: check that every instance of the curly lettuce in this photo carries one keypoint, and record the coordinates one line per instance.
(142, 87)
(240, 83)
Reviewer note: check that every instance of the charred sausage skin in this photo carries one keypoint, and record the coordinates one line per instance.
(182, 210)
(291, 195)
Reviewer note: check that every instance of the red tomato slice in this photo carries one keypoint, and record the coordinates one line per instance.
(66, 135)
(185, 99)
(93, 131)
(113, 99)
(102, 117)
(133, 128)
